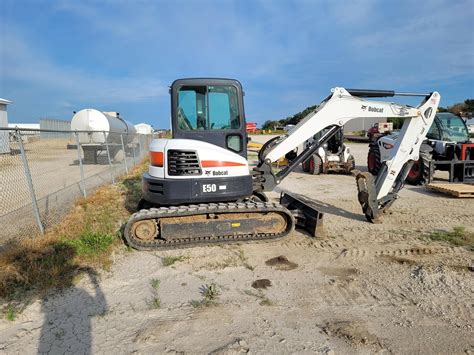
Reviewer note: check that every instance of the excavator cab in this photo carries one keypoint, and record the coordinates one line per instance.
(209, 110)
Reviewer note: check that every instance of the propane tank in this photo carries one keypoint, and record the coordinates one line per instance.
(109, 124)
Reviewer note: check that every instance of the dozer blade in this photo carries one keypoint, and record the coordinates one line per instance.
(368, 197)
(306, 216)
(188, 225)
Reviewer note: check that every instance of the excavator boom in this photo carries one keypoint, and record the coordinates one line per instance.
(342, 106)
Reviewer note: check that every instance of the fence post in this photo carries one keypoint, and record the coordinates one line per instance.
(108, 156)
(83, 183)
(124, 153)
(29, 181)
(135, 144)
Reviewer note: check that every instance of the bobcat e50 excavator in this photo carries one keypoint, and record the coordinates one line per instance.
(199, 188)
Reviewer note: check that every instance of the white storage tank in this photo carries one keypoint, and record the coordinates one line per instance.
(109, 122)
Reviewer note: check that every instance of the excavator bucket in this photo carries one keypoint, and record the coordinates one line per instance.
(306, 216)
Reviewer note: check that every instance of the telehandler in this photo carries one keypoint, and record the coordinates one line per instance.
(447, 147)
(199, 188)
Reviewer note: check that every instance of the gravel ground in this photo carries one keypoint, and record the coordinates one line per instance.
(358, 288)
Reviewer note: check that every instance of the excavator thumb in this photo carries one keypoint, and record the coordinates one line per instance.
(368, 196)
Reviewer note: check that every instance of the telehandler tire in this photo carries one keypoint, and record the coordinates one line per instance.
(373, 159)
(422, 171)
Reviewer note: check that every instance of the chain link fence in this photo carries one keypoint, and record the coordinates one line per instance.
(42, 173)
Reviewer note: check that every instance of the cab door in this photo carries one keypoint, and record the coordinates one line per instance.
(209, 110)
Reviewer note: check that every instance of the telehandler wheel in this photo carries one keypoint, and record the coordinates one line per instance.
(422, 171)
(315, 164)
(373, 158)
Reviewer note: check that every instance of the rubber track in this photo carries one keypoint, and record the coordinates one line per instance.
(216, 208)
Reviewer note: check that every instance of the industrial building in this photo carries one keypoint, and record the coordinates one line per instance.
(362, 124)
(144, 128)
(4, 136)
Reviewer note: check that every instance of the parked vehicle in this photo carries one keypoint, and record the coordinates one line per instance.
(378, 130)
(470, 126)
(447, 147)
(331, 156)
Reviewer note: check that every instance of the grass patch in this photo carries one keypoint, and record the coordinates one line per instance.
(10, 314)
(457, 237)
(89, 243)
(155, 283)
(170, 260)
(154, 303)
(83, 241)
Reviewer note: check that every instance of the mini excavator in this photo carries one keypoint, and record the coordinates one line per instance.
(199, 188)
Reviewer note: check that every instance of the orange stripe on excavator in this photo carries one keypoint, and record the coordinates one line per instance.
(218, 163)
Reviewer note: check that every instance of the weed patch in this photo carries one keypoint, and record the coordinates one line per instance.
(90, 243)
(457, 237)
(209, 293)
(155, 301)
(170, 260)
(155, 283)
(10, 314)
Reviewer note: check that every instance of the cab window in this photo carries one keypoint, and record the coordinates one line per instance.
(208, 108)
(453, 127)
(433, 132)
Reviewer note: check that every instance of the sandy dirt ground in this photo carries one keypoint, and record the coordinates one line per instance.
(358, 288)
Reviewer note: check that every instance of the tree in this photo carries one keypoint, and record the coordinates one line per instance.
(469, 103)
(269, 124)
(457, 108)
(297, 117)
(397, 122)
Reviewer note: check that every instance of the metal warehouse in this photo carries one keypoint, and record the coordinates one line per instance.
(4, 137)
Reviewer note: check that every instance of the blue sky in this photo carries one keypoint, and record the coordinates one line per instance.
(60, 56)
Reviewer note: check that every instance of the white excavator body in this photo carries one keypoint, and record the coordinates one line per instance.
(199, 185)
